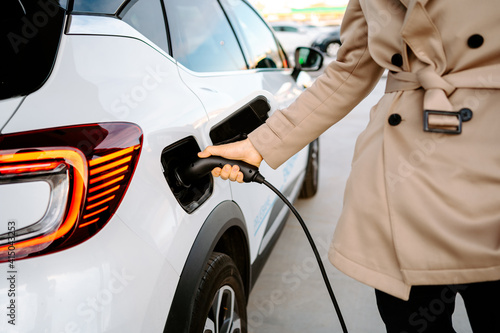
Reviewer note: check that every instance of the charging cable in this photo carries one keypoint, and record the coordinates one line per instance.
(203, 166)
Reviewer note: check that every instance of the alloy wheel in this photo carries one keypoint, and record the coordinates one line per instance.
(223, 316)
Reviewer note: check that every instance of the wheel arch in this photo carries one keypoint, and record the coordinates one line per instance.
(224, 231)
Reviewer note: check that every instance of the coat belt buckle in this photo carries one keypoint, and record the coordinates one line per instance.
(463, 115)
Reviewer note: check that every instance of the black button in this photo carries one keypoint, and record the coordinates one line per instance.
(466, 114)
(475, 41)
(394, 119)
(397, 60)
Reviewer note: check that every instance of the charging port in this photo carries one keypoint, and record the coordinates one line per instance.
(177, 155)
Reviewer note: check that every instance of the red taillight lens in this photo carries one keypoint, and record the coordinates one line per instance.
(88, 169)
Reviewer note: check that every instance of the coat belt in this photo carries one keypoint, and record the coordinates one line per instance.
(423, 38)
(439, 88)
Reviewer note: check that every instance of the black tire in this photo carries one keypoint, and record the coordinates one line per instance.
(310, 184)
(220, 304)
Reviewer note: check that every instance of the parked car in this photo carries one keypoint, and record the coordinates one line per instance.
(293, 34)
(328, 42)
(101, 102)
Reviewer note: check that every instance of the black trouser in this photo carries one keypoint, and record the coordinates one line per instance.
(430, 308)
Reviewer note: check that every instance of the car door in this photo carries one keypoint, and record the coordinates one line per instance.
(240, 74)
(262, 51)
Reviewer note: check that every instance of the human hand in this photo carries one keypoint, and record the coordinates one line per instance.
(240, 150)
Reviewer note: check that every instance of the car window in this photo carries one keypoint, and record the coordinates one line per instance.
(146, 16)
(109, 7)
(202, 39)
(27, 51)
(256, 37)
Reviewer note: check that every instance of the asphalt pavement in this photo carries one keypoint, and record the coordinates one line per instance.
(290, 295)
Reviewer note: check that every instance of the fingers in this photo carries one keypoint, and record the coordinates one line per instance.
(216, 172)
(240, 150)
(229, 172)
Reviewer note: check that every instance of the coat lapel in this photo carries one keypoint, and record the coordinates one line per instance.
(424, 39)
(422, 36)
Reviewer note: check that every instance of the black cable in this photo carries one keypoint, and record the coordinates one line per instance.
(315, 250)
(202, 166)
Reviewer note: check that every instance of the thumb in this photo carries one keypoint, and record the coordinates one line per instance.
(204, 154)
(212, 150)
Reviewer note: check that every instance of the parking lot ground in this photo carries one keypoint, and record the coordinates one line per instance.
(289, 295)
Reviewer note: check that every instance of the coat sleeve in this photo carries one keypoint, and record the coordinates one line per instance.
(345, 82)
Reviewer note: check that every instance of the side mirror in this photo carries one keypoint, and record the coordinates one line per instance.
(307, 59)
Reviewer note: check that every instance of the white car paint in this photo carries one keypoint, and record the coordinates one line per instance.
(133, 264)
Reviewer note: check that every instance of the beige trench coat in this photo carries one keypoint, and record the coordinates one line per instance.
(420, 208)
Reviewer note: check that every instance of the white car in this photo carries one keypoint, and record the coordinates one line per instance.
(100, 103)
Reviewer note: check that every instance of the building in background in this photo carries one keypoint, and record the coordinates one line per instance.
(315, 12)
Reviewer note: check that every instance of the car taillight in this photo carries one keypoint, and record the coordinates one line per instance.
(87, 168)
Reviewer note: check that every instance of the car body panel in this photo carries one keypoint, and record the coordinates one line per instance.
(223, 94)
(97, 96)
(7, 109)
(90, 287)
(124, 278)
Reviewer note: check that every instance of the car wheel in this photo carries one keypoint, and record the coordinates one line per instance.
(310, 185)
(332, 49)
(220, 304)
